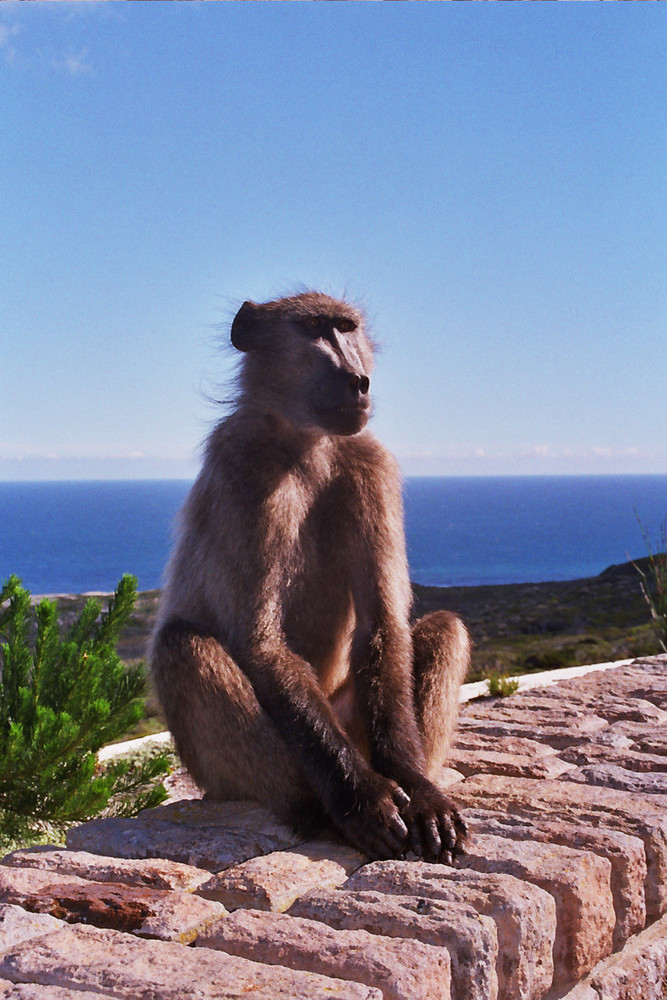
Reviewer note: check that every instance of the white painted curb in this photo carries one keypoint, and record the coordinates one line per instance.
(543, 679)
(131, 746)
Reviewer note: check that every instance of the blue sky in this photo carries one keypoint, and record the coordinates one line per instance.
(488, 180)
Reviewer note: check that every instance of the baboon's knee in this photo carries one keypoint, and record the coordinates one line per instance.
(224, 738)
(441, 660)
(180, 639)
(441, 640)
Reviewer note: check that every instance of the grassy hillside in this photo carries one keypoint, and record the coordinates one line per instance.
(541, 626)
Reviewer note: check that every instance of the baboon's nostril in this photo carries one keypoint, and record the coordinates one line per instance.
(360, 384)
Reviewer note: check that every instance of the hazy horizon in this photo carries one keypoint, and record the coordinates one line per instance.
(453, 475)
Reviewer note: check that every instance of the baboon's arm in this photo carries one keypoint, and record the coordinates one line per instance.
(383, 668)
(362, 803)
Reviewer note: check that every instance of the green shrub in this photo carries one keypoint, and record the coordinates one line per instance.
(501, 686)
(62, 697)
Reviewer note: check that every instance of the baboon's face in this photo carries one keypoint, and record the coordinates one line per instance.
(336, 384)
(309, 359)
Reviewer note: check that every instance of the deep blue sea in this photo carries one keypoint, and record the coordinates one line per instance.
(73, 537)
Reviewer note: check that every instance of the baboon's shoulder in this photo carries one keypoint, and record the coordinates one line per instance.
(367, 456)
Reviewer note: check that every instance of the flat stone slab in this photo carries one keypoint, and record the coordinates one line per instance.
(237, 815)
(17, 926)
(520, 745)
(613, 776)
(170, 916)
(189, 837)
(275, 881)
(121, 965)
(152, 874)
(524, 915)
(402, 970)
(647, 739)
(581, 699)
(632, 760)
(643, 680)
(516, 765)
(540, 707)
(654, 743)
(543, 731)
(643, 816)
(448, 776)
(470, 938)
(579, 881)
(624, 852)
(610, 737)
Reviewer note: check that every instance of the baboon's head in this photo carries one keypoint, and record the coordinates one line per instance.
(308, 360)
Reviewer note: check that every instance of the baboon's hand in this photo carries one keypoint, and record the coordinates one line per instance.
(374, 825)
(436, 829)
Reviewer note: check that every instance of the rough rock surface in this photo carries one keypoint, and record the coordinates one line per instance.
(625, 854)
(643, 816)
(154, 913)
(470, 938)
(524, 914)
(638, 971)
(119, 964)
(153, 874)
(402, 969)
(275, 881)
(578, 881)
(562, 894)
(31, 991)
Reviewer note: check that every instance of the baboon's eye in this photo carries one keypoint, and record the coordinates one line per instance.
(315, 325)
(344, 325)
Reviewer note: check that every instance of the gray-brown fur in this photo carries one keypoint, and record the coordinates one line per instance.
(283, 656)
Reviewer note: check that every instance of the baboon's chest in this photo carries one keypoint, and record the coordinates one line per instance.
(319, 617)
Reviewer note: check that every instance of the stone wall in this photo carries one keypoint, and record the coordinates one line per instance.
(563, 891)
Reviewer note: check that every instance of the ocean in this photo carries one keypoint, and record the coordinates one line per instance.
(75, 537)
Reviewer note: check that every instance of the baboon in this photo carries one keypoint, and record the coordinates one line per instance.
(283, 654)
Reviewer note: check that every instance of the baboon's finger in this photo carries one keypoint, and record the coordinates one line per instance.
(401, 798)
(397, 826)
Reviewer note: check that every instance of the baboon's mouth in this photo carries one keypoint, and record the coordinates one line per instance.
(348, 419)
(354, 409)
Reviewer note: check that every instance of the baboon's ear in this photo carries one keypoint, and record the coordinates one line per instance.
(245, 329)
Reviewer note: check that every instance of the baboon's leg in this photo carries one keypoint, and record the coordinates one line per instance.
(441, 660)
(223, 736)
(441, 648)
(346, 709)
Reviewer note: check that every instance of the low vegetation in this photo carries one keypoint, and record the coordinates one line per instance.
(500, 686)
(65, 693)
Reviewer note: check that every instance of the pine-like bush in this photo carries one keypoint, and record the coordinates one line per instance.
(62, 697)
